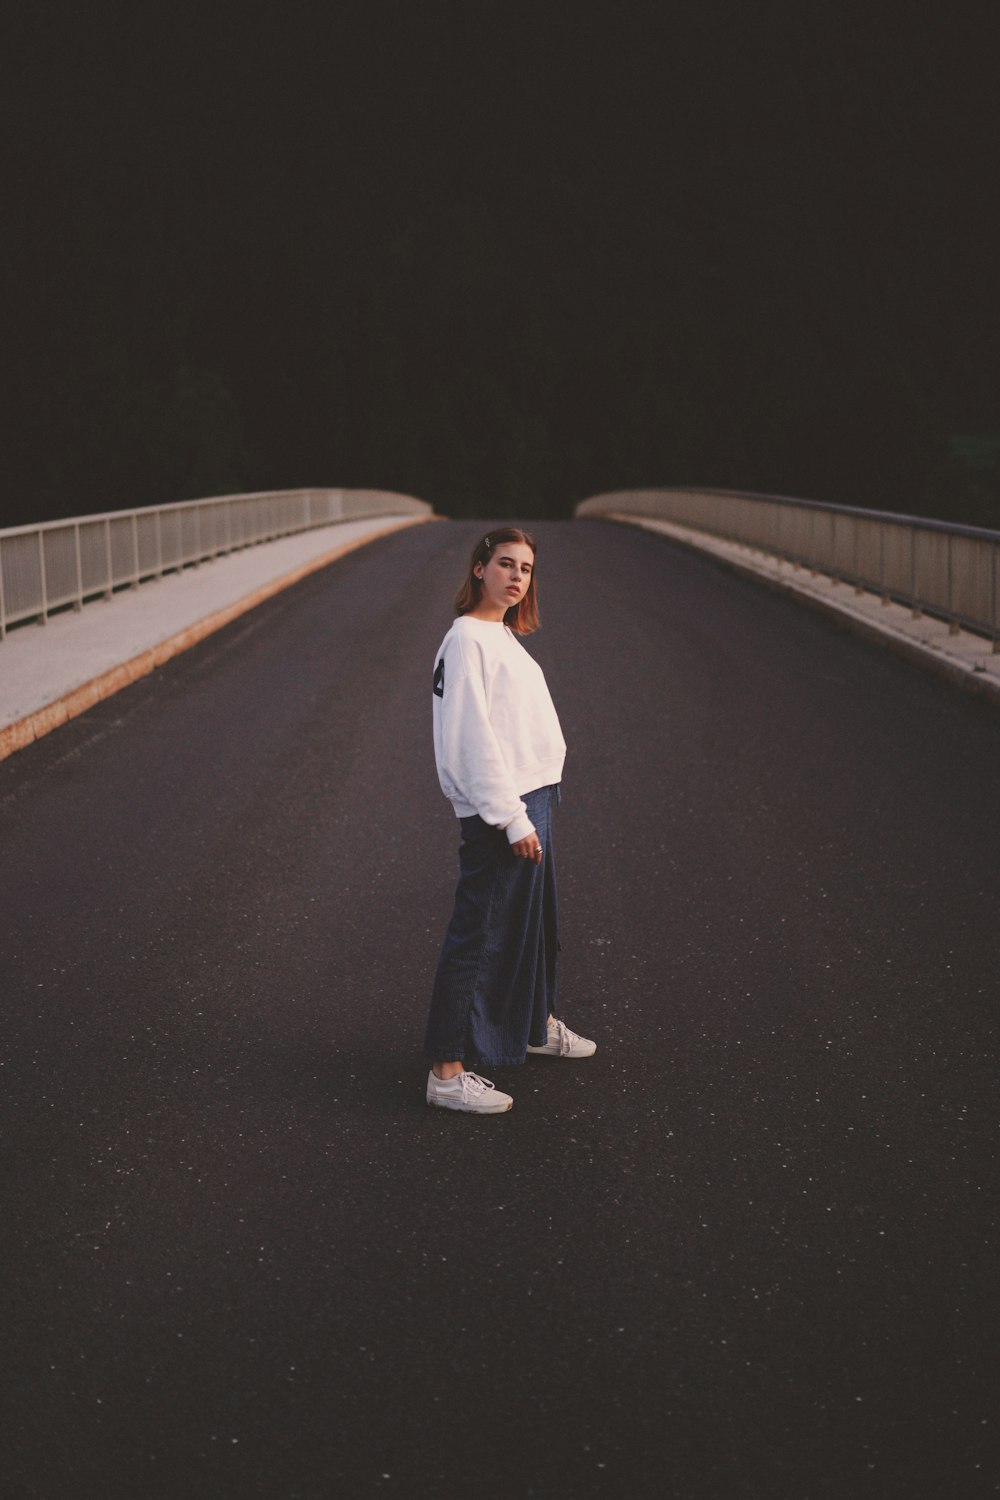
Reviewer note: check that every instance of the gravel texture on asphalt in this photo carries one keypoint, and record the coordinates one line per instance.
(747, 1250)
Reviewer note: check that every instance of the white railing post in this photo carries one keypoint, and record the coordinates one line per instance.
(78, 601)
(44, 617)
(833, 548)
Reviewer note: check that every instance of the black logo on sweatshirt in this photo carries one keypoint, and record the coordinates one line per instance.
(439, 678)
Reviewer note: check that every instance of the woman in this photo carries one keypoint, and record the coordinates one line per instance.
(500, 753)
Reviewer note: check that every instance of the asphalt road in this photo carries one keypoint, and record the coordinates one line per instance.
(748, 1250)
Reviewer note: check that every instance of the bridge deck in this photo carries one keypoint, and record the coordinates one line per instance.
(746, 1250)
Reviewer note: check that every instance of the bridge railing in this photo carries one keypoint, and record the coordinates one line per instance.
(931, 566)
(59, 563)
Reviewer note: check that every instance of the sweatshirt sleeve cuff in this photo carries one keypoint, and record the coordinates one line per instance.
(519, 828)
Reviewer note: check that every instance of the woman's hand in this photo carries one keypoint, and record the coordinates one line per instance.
(528, 848)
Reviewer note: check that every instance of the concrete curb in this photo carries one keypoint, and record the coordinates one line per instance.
(932, 658)
(24, 731)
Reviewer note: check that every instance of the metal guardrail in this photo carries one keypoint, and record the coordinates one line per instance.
(59, 563)
(931, 566)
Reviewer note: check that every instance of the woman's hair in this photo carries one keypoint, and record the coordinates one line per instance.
(522, 617)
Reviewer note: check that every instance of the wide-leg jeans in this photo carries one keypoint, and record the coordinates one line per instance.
(495, 985)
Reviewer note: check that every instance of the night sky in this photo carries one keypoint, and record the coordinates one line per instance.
(500, 256)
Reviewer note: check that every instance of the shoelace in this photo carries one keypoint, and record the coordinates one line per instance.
(566, 1037)
(473, 1084)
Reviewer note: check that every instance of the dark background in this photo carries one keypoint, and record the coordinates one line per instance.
(499, 255)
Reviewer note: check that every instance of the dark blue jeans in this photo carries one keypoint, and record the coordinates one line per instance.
(496, 978)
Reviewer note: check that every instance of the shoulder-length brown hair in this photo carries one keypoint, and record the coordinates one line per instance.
(522, 617)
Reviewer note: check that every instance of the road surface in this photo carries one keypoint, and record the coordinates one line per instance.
(747, 1250)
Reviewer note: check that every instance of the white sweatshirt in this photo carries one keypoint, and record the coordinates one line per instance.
(496, 734)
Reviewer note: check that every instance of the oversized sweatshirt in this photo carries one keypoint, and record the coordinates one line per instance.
(496, 734)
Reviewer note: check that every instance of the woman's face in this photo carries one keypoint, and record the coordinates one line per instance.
(506, 576)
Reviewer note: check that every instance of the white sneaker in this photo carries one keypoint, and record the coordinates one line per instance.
(467, 1091)
(562, 1042)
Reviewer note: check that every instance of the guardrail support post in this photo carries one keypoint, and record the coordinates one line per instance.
(135, 551)
(833, 550)
(916, 611)
(109, 591)
(953, 626)
(43, 618)
(78, 601)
